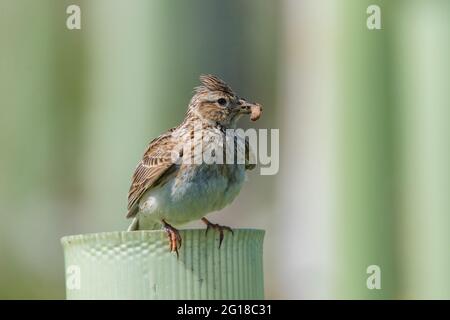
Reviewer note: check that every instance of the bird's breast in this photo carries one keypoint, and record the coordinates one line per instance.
(214, 182)
(194, 190)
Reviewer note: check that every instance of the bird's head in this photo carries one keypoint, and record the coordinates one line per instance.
(215, 102)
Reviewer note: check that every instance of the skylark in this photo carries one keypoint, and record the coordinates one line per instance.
(173, 184)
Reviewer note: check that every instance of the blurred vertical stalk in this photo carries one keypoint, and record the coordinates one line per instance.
(422, 41)
(304, 189)
(26, 80)
(28, 76)
(365, 156)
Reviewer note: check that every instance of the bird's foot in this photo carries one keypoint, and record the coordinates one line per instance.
(218, 227)
(174, 237)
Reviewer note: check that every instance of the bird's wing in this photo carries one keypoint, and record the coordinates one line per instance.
(156, 161)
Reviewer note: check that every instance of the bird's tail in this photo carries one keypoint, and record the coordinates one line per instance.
(134, 224)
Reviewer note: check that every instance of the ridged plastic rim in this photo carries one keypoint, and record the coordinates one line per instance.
(133, 235)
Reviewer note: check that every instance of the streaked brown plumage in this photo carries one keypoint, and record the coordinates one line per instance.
(163, 189)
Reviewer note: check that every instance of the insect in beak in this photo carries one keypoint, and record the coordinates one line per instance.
(253, 109)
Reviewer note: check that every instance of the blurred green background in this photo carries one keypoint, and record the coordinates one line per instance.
(363, 118)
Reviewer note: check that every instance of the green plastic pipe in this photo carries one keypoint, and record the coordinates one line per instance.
(138, 265)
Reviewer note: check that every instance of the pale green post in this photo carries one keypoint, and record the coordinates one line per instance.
(138, 265)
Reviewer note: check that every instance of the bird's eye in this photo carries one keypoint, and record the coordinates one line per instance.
(222, 101)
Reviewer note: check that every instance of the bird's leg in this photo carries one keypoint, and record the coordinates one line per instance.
(216, 226)
(173, 235)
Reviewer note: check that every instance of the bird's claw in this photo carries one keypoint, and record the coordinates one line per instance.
(174, 237)
(215, 226)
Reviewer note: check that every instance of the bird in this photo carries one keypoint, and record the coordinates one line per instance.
(173, 185)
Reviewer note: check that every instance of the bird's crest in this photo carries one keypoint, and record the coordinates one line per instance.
(212, 83)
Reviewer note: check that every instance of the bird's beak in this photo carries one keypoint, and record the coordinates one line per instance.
(253, 109)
